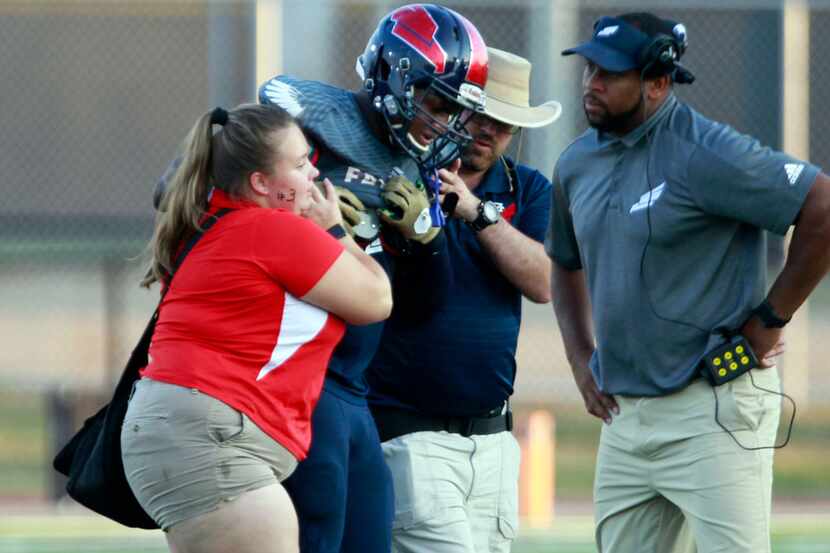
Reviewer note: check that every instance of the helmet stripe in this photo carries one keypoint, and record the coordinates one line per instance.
(477, 72)
(415, 26)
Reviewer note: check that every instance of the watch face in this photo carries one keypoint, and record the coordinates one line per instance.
(491, 212)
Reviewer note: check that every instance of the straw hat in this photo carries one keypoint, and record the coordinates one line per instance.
(508, 92)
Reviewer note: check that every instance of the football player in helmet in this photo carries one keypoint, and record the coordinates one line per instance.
(424, 70)
(422, 73)
(422, 66)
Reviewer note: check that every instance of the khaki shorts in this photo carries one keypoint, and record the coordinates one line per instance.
(185, 452)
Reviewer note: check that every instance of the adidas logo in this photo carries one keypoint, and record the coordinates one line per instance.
(375, 246)
(793, 171)
(649, 198)
(608, 31)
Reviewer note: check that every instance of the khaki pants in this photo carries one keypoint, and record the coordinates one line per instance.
(454, 494)
(669, 479)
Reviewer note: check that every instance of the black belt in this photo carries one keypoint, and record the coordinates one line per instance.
(392, 422)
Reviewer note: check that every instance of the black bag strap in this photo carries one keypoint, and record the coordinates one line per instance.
(144, 343)
(139, 358)
(92, 458)
(211, 220)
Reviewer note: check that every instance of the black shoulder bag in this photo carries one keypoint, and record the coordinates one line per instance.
(92, 458)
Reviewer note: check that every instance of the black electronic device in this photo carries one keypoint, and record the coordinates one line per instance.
(728, 361)
(661, 55)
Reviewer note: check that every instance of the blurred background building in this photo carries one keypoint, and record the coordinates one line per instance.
(95, 97)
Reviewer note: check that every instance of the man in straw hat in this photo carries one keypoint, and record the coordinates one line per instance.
(439, 389)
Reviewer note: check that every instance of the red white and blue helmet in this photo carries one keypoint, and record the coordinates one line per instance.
(424, 46)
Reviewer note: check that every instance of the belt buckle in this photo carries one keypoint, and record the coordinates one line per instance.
(461, 426)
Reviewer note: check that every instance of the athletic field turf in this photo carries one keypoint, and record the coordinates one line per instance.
(792, 533)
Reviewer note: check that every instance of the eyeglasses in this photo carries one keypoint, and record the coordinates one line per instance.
(482, 120)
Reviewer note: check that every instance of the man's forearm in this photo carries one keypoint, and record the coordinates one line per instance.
(521, 259)
(572, 306)
(808, 258)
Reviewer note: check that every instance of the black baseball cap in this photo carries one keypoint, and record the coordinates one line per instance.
(617, 41)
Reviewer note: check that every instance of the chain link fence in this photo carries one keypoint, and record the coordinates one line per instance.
(97, 95)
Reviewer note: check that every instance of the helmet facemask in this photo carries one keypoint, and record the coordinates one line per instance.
(427, 104)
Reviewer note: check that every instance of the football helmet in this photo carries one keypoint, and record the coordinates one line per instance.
(424, 59)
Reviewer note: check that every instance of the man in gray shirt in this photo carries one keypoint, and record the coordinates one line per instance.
(657, 237)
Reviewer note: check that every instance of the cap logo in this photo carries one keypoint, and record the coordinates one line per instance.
(608, 31)
(679, 31)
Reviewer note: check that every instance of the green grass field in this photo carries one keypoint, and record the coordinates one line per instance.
(802, 533)
(800, 468)
(800, 477)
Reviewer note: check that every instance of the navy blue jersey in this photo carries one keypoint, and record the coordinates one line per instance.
(461, 361)
(347, 152)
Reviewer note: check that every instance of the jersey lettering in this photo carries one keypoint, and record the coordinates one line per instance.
(353, 174)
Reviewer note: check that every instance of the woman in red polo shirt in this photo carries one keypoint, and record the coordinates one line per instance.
(222, 413)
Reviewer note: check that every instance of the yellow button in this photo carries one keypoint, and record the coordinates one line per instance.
(739, 349)
(716, 361)
(745, 360)
(727, 355)
(722, 372)
(733, 366)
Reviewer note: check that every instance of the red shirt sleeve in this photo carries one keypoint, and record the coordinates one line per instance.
(294, 251)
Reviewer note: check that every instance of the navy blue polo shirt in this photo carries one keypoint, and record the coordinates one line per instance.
(461, 361)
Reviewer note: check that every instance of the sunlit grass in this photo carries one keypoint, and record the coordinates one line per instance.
(76, 533)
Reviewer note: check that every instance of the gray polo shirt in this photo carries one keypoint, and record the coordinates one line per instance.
(707, 193)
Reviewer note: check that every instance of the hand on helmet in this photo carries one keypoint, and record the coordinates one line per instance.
(466, 205)
(408, 210)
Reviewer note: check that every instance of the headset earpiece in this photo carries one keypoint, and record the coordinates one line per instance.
(659, 56)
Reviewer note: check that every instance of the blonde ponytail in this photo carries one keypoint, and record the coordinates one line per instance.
(184, 202)
(247, 142)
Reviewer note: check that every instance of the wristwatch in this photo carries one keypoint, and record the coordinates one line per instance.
(769, 318)
(488, 214)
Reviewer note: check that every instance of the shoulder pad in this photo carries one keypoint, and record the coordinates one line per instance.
(330, 116)
(305, 100)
